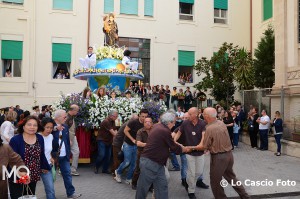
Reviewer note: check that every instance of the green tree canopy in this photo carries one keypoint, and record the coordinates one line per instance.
(265, 60)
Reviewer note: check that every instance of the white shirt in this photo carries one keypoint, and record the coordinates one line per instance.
(264, 119)
(7, 131)
(91, 59)
(63, 147)
(179, 114)
(48, 146)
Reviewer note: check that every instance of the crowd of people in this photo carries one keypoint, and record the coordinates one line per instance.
(44, 140)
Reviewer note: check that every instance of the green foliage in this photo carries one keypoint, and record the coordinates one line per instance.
(265, 60)
(229, 64)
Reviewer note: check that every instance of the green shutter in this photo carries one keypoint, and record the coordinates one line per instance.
(187, 1)
(129, 7)
(268, 9)
(61, 52)
(11, 49)
(148, 8)
(186, 58)
(63, 4)
(14, 1)
(221, 4)
(108, 6)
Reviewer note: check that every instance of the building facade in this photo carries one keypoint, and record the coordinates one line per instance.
(40, 39)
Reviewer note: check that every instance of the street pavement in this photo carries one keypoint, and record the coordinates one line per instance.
(250, 164)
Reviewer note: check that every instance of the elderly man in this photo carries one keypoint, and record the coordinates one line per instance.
(61, 147)
(141, 142)
(191, 130)
(73, 110)
(154, 158)
(106, 132)
(216, 140)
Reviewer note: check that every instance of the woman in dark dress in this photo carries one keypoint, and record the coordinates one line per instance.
(30, 146)
(228, 120)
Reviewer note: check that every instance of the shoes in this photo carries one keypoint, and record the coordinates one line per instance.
(74, 173)
(192, 196)
(106, 172)
(74, 196)
(128, 181)
(174, 169)
(201, 184)
(278, 154)
(133, 187)
(95, 170)
(118, 177)
(183, 182)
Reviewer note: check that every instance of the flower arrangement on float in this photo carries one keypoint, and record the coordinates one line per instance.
(109, 52)
(107, 71)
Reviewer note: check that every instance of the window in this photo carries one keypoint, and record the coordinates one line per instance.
(220, 11)
(129, 7)
(11, 55)
(108, 6)
(186, 9)
(148, 8)
(20, 2)
(140, 52)
(267, 9)
(61, 58)
(186, 61)
(63, 5)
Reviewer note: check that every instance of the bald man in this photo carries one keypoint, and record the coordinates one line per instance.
(73, 111)
(191, 130)
(216, 140)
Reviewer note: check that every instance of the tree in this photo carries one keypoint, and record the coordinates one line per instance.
(229, 64)
(265, 60)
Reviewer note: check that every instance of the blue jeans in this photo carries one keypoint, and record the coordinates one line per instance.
(235, 139)
(129, 160)
(104, 154)
(263, 139)
(65, 169)
(47, 179)
(278, 138)
(183, 165)
(174, 161)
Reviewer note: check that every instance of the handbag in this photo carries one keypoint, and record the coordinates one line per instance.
(56, 162)
(27, 196)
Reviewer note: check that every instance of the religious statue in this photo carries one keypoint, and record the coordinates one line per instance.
(110, 30)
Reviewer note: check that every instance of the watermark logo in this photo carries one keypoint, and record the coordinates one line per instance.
(13, 172)
(262, 183)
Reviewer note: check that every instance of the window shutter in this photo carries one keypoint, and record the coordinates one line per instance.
(61, 52)
(221, 4)
(186, 58)
(108, 6)
(148, 8)
(14, 1)
(268, 9)
(187, 1)
(11, 49)
(63, 4)
(129, 7)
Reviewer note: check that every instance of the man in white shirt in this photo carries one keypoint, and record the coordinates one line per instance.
(90, 59)
(264, 123)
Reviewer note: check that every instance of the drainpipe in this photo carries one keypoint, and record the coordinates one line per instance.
(251, 35)
(89, 20)
(34, 52)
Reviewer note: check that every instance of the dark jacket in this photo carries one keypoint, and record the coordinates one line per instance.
(17, 144)
(278, 124)
(65, 138)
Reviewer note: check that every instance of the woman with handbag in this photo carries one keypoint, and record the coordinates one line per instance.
(277, 125)
(30, 146)
(11, 158)
(48, 177)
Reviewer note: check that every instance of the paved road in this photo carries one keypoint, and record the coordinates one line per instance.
(250, 164)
